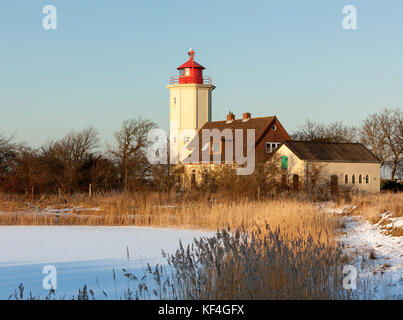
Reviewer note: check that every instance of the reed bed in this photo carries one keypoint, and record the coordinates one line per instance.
(292, 216)
(265, 264)
(234, 265)
(278, 249)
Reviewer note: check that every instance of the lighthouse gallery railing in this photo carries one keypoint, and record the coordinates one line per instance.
(175, 80)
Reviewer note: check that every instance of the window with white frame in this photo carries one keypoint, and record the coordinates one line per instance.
(271, 146)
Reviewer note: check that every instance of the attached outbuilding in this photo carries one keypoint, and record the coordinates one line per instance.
(333, 166)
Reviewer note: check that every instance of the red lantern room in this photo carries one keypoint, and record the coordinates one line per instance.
(190, 72)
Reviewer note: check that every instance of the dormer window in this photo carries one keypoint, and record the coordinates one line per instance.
(271, 146)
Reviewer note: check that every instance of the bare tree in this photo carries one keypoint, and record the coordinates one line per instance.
(315, 178)
(389, 122)
(382, 134)
(71, 152)
(130, 151)
(319, 132)
(374, 139)
(8, 153)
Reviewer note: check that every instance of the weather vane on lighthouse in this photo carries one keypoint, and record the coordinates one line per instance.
(191, 54)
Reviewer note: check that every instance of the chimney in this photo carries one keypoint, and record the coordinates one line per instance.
(230, 117)
(246, 116)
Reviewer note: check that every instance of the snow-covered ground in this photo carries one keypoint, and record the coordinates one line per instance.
(376, 255)
(378, 259)
(81, 255)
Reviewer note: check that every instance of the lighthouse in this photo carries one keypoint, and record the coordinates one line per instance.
(190, 105)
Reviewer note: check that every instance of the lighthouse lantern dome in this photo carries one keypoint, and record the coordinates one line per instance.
(190, 72)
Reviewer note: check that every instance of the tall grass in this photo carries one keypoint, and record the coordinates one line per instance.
(260, 265)
(380, 208)
(294, 217)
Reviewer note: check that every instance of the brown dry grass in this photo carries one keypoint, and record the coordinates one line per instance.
(293, 217)
(380, 208)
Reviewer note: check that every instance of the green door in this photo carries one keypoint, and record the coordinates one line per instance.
(284, 162)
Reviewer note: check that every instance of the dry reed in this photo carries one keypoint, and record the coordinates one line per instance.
(292, 216)
(381, 208)
(283, 248)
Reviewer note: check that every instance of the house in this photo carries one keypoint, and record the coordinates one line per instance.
(334, 166)
(269, 133)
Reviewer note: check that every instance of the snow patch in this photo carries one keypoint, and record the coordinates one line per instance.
(377, 257)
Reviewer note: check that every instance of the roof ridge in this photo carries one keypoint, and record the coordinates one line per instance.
(324, 142)
(240, 119)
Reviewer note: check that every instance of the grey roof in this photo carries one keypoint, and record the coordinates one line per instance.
(337, 152)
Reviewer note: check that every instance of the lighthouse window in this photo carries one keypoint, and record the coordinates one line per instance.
(187, 71)
(181, 72)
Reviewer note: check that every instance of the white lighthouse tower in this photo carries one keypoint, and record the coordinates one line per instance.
(190, 105)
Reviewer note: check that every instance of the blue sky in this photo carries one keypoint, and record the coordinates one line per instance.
(111, 60)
